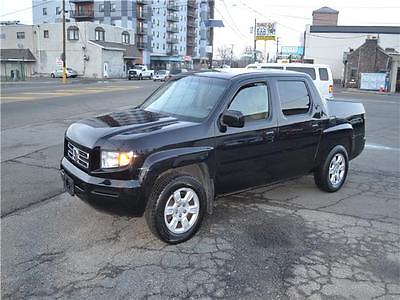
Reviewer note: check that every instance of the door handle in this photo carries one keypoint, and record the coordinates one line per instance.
(270, 135)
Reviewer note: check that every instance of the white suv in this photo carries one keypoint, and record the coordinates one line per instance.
(320, 74)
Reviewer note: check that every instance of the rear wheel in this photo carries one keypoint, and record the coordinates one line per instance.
(140, 77)
(176, 208)
(331, 175)
(52, 75)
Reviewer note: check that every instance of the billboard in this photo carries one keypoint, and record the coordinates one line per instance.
(292, 50)
(265, 31)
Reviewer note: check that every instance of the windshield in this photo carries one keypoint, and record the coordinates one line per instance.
(190, 97)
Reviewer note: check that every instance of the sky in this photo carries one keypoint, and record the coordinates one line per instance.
(238, 16)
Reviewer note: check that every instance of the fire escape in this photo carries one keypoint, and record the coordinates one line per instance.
(172, 27)
(140, 28)
(191, 28)
(83, 10)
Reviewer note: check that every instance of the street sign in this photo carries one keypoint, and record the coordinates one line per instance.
(59, 62)
(265, 31)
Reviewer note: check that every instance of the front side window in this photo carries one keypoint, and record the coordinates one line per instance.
(294, 97)
(99, 34)
(323, 74)
(309, 71)
(20, 35)
(101, 7)
(252, 101)
(191, 97)
(73, 33)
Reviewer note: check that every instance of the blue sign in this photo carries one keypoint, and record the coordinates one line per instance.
(292, 50)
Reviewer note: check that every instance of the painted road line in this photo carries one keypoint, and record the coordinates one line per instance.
(11, 98)
(48, 93)
(381, 147)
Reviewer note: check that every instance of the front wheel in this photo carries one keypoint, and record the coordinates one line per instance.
(176, 208)
(52, 75)
(331, 175)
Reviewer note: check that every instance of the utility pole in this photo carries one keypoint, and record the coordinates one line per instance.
(231, 54)
(64, 56)
(255, 39)
(277, 50)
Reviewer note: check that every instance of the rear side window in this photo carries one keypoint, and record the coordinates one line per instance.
(323, 74)
(294, 97)
(309, 71)
(252, 101)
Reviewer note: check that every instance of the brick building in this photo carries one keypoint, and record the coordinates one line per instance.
(368, 58)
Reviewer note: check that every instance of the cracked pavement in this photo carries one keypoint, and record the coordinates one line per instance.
(285, 241)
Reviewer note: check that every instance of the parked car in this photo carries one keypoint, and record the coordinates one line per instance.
(161, 75)
(209, 134)
(59, 73)
(140, 72)
(320, 74)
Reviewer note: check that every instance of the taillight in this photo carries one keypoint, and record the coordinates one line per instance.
(330, 89)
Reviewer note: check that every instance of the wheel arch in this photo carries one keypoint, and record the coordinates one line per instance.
(341, 134)
(195, 161)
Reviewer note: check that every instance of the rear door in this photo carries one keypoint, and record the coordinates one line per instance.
(299, 127)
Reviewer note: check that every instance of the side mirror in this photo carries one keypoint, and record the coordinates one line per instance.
(232, 118)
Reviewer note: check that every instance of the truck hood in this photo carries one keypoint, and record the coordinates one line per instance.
(125, 124)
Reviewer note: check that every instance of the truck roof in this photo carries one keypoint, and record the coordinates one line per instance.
(238, 73)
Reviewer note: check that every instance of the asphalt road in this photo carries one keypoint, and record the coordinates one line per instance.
(289, 240)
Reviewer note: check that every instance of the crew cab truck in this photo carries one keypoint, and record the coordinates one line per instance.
(204, 135)
(140, 72)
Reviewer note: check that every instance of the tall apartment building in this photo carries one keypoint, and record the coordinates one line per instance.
(179, 36)
(168, 33)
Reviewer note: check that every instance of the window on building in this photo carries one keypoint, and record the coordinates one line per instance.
(252, 102)
(58, 10)
(323, 74)
(101, 7)
(125, 37)
(158, 34)
(46, 34)
(353, 74)
(44, 10)
(20, 35)
(294, 97)
(163, 46)
(99, 34)
(73, 33)
(113, 7)
(158, 45)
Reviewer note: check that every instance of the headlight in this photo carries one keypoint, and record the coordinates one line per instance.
(112, 159)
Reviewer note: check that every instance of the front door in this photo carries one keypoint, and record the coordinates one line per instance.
(246, 155)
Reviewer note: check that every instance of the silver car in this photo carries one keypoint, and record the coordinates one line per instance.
(59, 73)
(161, 75)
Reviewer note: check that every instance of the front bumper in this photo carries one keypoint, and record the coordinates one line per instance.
(122, 197)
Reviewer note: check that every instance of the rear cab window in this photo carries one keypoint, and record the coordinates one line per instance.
(294, 97)
(310, 71)
(323, 74)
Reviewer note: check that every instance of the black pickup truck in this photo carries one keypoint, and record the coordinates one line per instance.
(204, 135)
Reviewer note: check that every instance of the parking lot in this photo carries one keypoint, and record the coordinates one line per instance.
(285, 241)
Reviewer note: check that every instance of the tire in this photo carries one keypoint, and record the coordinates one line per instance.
(165, 192)
(331, 174)
(140, 77)
(52, 75)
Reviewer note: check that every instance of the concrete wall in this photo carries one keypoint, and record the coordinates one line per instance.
(328, 48)
(325, 19)
(51, 7)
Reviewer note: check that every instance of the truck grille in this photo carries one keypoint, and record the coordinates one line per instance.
(77, 155)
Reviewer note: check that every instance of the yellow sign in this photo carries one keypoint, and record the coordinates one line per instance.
(265, 31)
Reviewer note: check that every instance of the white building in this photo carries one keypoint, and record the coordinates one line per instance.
(92, 50)
(327, 44)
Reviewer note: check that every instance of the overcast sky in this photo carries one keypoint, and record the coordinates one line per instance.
(238, 16)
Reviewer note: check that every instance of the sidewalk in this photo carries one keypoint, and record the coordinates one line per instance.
(358, 91)
(35, 80)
